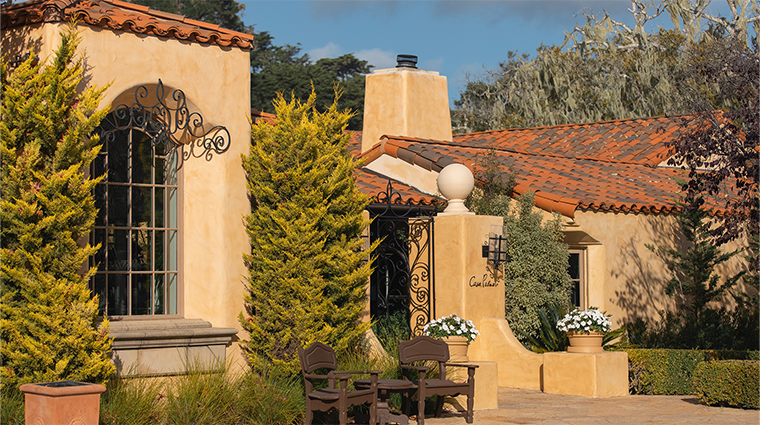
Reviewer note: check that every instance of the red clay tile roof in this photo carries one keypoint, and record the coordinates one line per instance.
(562, 184)
(257, 116)
(375, 185)
(120, 15)
(636, 141)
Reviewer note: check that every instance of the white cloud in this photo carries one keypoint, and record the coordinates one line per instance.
(331, 50)
(380, 59)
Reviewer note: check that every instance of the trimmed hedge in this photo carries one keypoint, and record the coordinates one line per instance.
(728, 383)
(667, 371)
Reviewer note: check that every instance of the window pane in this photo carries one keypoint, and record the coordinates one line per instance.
(171, 208)
(172, 251)
(100, 256)
(142, 157)
(118, 206)
(141, 294)
(159, 168)
(118, 158)
(575, 266)
(171, 167)
(99, 290)
(117, 294)
(142, 248)
(158, 295)
(172, 292)
(159, 263)
(99, 166)
(118, 250)
(575, 296)
(141, 206)
(159, 206)
(100, 204)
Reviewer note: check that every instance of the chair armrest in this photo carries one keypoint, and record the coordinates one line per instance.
(311, 376)
(359, 372)
(462, 365)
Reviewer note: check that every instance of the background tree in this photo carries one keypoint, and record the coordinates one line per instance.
(604, 70)
(307, 271)
(225, 13)
(721, 155)
(49, 329)
(281, 69)
(694, 285)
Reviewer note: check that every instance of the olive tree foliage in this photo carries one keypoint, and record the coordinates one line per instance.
(604, 70)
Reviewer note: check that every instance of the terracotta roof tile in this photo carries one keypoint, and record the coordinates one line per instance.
(637, 141)
(374, 185)
(561, 183)
(120, 15)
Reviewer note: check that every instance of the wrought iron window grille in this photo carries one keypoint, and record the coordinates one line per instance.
(168, 121)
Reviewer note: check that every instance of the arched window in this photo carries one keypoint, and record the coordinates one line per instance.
(138, 223)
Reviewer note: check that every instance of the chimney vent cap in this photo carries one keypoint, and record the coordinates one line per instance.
(406, 61)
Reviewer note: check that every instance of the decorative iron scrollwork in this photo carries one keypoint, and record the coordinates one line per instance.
(404, 277)
(168, 121)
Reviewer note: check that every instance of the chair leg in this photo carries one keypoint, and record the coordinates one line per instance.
(438, 405)
(309, 417)
(421, 410)
(470, 403)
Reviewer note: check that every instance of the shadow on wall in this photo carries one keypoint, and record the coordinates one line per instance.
(17, 45)
(645, 274)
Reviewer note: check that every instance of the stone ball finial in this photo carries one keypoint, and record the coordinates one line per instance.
(455, 182)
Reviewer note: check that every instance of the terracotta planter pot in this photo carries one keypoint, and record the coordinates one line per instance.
(586, 342)
(63, 402)
(458, 346)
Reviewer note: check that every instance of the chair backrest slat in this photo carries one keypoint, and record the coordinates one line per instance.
(317, 356)
(423, 348)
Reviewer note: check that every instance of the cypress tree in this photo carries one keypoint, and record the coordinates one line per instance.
(49, 330)
(307, 270)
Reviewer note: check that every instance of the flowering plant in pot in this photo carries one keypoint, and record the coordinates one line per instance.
(585, 329)
(451, 325)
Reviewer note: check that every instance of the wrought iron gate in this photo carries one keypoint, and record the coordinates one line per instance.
(403, 279)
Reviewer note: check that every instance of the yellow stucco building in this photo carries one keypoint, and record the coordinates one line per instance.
(171, 275)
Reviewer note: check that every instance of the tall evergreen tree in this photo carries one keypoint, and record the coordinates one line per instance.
(49, 330)
(307, 271)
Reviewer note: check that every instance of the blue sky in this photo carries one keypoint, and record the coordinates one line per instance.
(455, 38)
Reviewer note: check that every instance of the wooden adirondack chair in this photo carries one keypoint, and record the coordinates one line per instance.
(321, 356)
(425, 348)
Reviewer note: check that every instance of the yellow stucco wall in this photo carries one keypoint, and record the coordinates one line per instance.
(216, 82)
(624, 277)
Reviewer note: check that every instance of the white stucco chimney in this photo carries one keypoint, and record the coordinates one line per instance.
(405, 101)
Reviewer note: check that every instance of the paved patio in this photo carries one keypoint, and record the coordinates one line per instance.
(518, 406)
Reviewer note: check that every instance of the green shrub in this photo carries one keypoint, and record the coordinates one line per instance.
(665, 371)
(204, 395)
(11, 406)
(270, 397)
(728, 383)
(132, 401)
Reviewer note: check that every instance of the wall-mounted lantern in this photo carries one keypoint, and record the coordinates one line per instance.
(495, 248)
